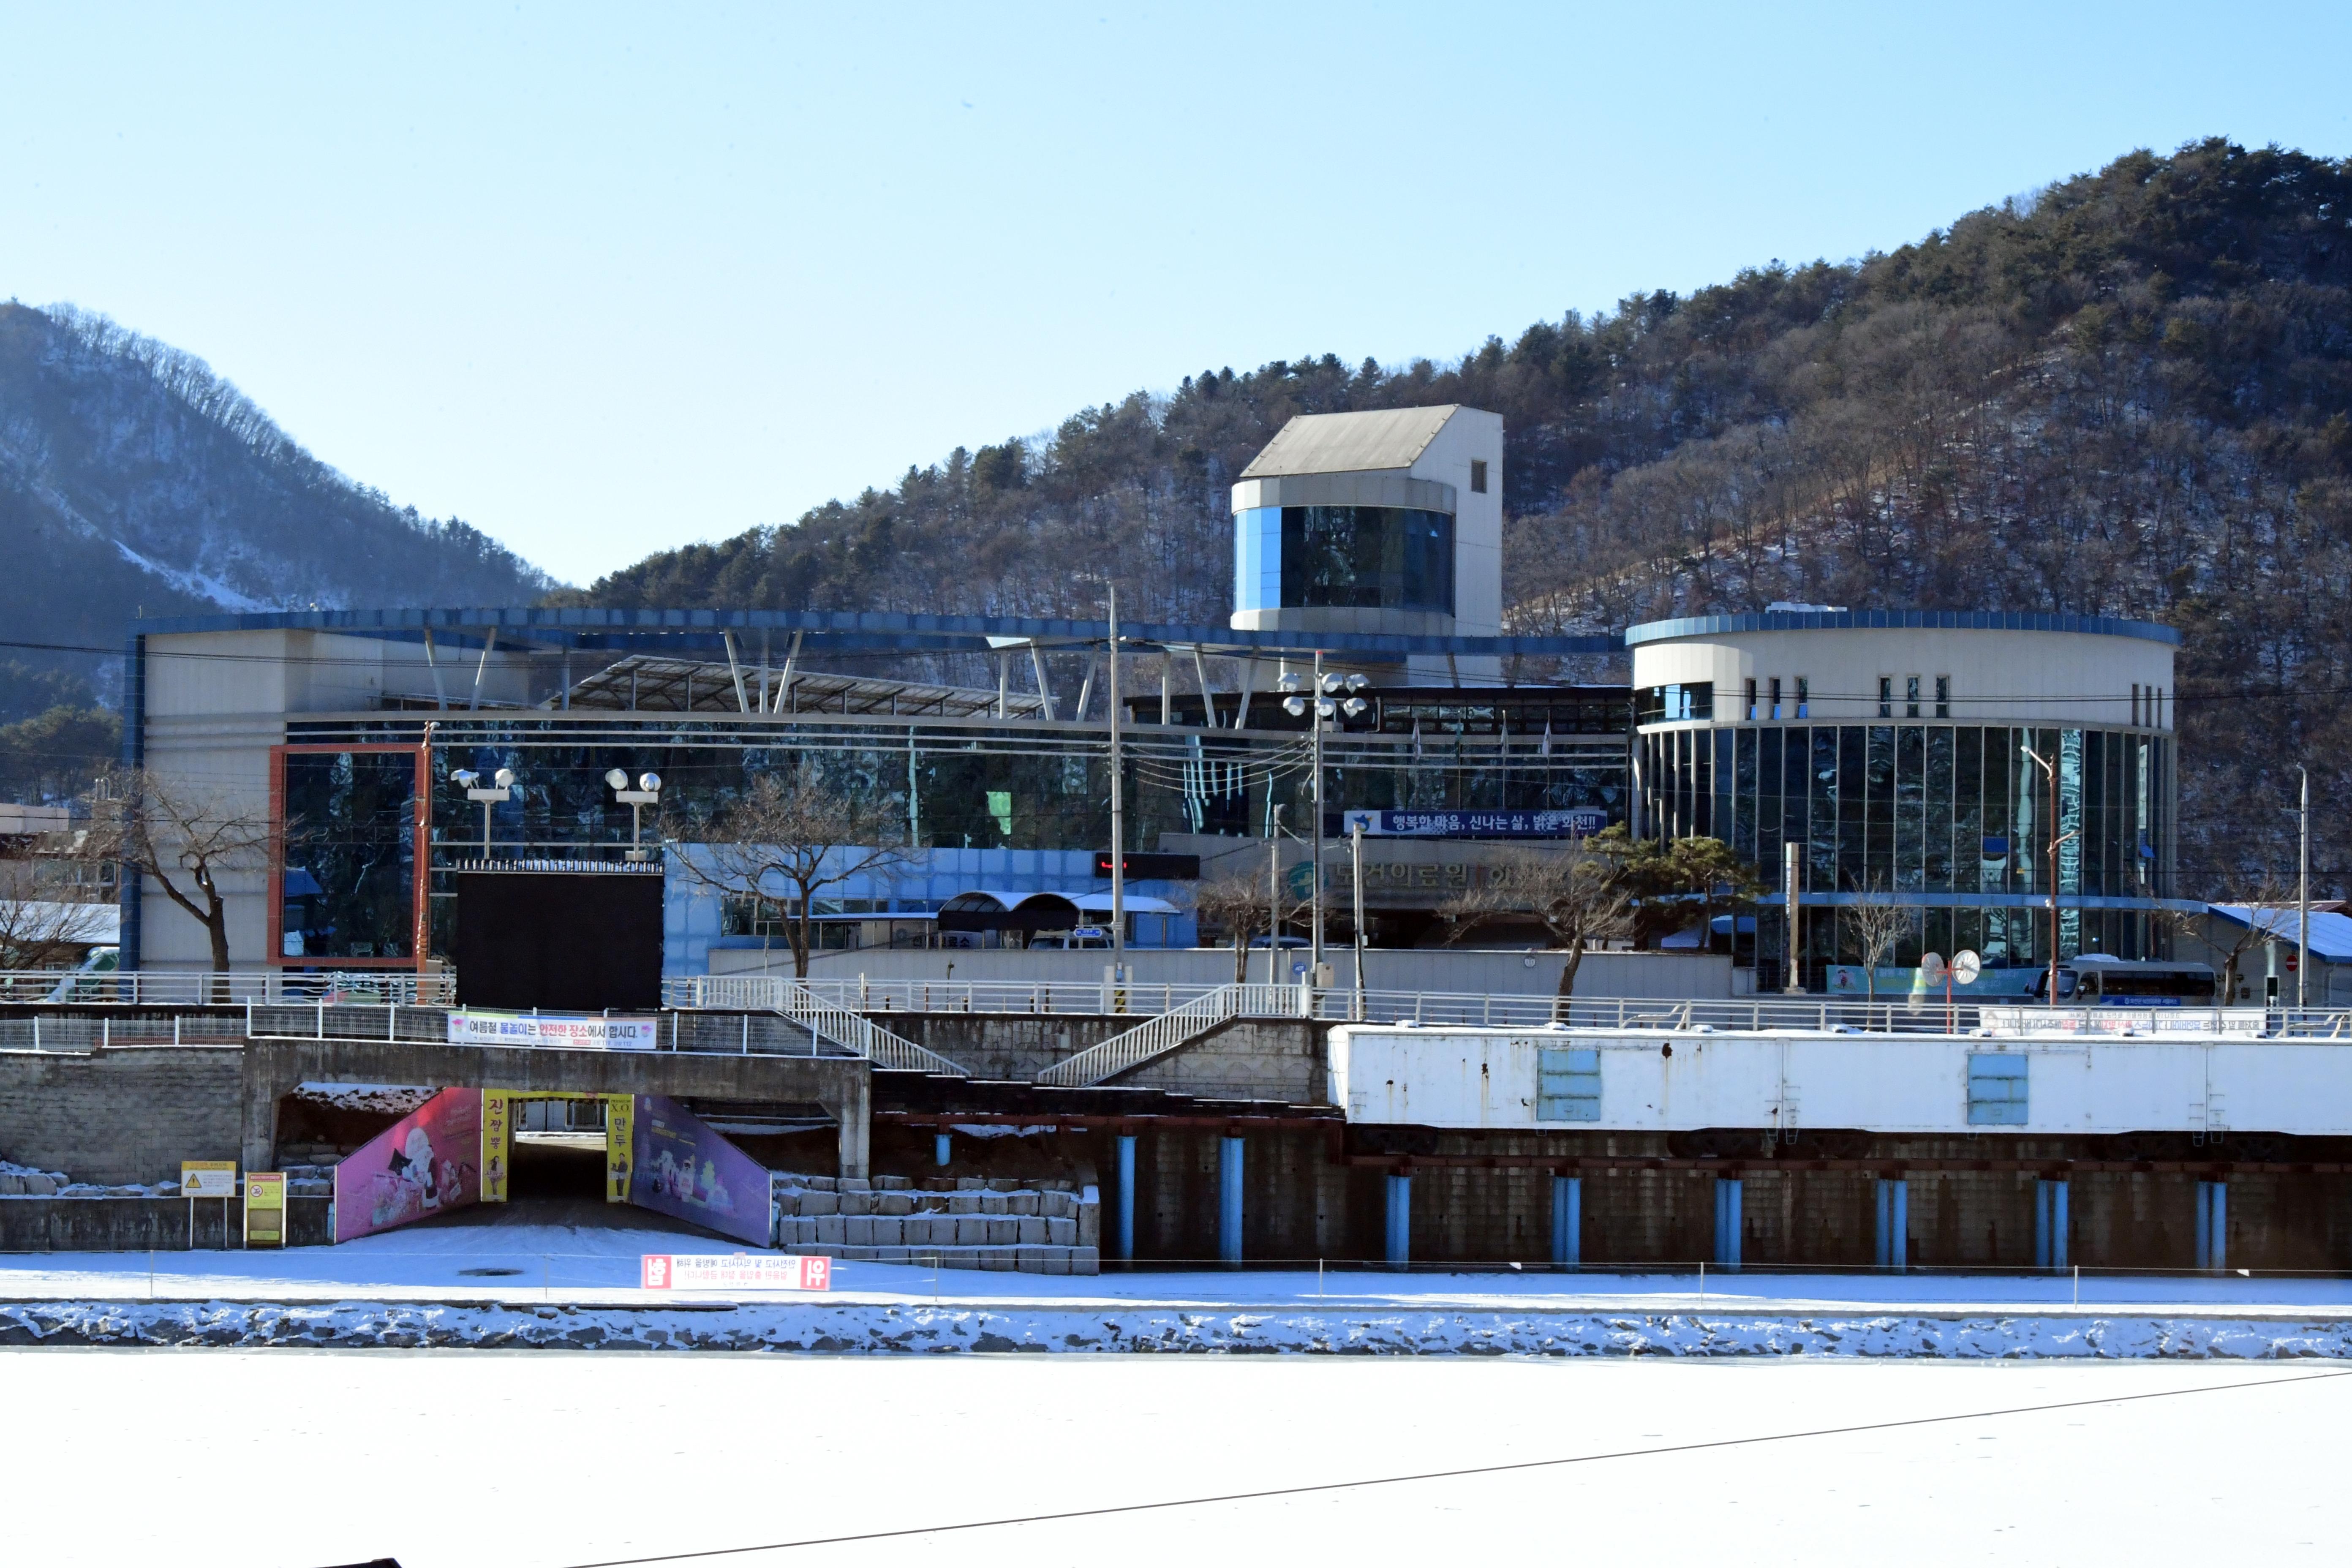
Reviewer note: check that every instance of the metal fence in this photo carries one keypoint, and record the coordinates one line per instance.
(194, 988)
(1911, 1014)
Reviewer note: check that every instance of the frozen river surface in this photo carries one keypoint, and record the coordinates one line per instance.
(543, 1459)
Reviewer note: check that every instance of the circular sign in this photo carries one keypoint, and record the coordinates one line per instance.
(1966, 966)
(1931, 968)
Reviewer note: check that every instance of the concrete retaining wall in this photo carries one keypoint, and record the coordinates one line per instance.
(143, 1225)
(121, 1115)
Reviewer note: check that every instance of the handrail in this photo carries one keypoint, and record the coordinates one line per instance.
(202, 988)
(1154, 1037)
(861, 1035)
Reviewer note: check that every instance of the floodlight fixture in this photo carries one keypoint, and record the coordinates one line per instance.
(503, 778)
(465, 778)
(649, 782)
(1290, 682)
(617, 778)
(1358, 681)
(1353, 706)
(1331, 682)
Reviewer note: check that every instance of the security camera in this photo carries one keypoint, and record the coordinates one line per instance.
(617, 778)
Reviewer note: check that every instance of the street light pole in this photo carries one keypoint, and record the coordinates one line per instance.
(1117, 814)
(2050, 772)
(1315, 928)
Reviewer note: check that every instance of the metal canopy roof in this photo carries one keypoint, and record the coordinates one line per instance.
(649, 682)
(672, 630)
(1366, 442)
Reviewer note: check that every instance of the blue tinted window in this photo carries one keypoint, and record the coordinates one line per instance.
(1366, 557)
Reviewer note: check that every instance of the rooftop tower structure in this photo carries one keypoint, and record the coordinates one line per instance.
(1386, 521)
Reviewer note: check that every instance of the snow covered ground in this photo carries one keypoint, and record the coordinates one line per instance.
(537, 1264)
(296, 1458)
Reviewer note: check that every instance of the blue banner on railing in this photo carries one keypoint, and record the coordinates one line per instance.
(1574, 824)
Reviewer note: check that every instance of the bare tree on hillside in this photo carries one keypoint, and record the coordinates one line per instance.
(789, 839)
(1573, 893)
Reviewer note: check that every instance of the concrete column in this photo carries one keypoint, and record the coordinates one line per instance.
(2213, 1227)
(1229, 1199)
(2049, 1227)
(1893, 1223)
(1123, 1245)
(1727, 1222)
(1400, 1221)
(1568, 1220)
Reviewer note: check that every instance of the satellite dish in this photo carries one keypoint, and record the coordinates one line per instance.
(1931, 968)
(1966, 966)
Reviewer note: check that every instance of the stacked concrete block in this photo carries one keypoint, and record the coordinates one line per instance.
(966, 1223)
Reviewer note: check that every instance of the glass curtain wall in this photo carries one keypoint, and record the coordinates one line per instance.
(1935, 809)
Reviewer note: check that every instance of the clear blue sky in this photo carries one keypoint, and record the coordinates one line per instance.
(602, 280)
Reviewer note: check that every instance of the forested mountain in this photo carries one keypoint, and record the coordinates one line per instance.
(2127, 396)
(131, 477)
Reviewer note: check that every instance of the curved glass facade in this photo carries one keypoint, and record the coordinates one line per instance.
(1957, 816)
(1345, 557)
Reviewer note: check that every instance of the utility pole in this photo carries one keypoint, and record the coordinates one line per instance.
(1314, 926)
(1117, 814)
(1273, 897)
(2303, 896)
(1356, 860)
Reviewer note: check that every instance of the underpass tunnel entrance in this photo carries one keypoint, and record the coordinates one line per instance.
(555, 1144)
(560, 1150)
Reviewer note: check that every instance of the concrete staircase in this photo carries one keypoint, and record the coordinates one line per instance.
(1156, 1036)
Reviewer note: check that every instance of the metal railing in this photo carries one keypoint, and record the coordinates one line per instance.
(863, 1036)
(1911, 1013)
(198, 988)
(1157, 1036)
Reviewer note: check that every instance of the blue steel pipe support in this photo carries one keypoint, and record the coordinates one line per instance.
(1568, 1220)
(1125, 1228)
(1229, 1199)
(1400, 1221)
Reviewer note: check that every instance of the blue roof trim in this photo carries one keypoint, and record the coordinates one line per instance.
(608, 628)
(1898, 620)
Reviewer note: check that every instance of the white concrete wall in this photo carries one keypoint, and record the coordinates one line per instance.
(1998, 676)
(1904, 1083)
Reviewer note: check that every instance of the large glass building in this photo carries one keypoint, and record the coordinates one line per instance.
(1961, 765)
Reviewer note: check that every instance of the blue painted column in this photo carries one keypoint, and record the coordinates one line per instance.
(1400, 1220)
(1125, 1228)
(1893, 1223)
(1568, 1220)
(2212, 1226)
(2050, 1226)
(1229, 1199)
(940, 1148)
(1727, 1222)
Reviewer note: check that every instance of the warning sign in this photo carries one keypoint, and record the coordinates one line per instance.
(265, 1208)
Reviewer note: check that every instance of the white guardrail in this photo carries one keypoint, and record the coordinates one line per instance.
(195, 988)
(1910, 1015)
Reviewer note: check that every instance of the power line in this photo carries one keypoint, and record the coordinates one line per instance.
(1455, 1474)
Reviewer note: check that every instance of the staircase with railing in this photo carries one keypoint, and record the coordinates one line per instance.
(845, 1026)
(1156, 1036)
